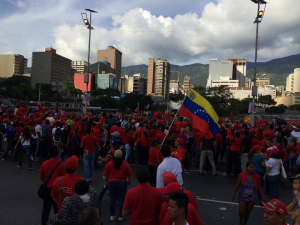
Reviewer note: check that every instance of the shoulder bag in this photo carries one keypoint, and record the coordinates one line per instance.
(19, 147)
(42, 191)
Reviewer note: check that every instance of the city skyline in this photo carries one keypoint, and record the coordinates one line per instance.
(186, 33)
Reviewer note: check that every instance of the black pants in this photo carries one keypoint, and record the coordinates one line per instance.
(233, 157)
(11, 142)
(47, 204)
(143, 155)
(152, 177)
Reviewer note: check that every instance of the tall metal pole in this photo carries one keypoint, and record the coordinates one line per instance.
(254, 86)
(88, 72)
(40, 85)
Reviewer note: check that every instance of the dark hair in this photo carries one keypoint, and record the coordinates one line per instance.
(272, 126)
(142, 174)
(57, 123)
(168, 142)
(165, 151)
(275, 156)
(182, 200)
(170, 133)
(237, 134)
(53, 150)
(89, 216)
(65, 134)
(246, 132)
(47, 121)
(270, 139)
(81, 187)
(146, 134)
(26, 133)
(249, 163)
(252, 135)
(117, 162)
(118, 124)
(88, 130)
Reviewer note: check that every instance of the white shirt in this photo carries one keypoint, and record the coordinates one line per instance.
(26, 142)
(296, 135)
(53, 132)
(186, 223)
(169, 164)
(38, 129)
(269, 149)
(275, 164)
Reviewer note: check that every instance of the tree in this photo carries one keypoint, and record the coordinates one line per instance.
(68, 83)
(295, 107)
(106, 92)
(16, 87)
(47, 94)
(266, 100)
(106, 102)
(131, 100)
(22, 91)
(176, 97)
(277, 109)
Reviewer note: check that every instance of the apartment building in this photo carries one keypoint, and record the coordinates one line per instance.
(293, 82)
(262, 81)
(241, 64)
(12, 64)
(48, 66)
(79, 66)
(151, 76)
(186, 84)
(162, 78)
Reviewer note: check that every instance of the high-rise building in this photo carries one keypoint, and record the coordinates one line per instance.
(124, 84)
(138, 83)
(261, 81)
(11, 65)
(176, 87)
(162, 78)
(48, 67)
(151, 76)
(100, 68)
(293, 81)
(114, 57)
(186, 84)
(79, 66)
(241, 64)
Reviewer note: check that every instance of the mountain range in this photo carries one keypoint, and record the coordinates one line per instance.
(276, 69)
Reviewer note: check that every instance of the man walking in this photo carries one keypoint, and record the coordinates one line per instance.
(9, 133)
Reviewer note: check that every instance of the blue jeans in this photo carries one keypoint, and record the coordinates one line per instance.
(117, 190)
(102, 193)
(128, 150)
(233, 157)
(273, 182)
(88, 161)
(25, 148)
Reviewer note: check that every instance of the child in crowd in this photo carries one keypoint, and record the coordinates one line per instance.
(294, 207)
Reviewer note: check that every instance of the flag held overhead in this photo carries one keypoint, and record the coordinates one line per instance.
(201, 113)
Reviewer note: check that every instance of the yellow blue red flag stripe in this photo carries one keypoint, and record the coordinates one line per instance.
(201, 113)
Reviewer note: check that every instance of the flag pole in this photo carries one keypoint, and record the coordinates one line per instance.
(174, 118)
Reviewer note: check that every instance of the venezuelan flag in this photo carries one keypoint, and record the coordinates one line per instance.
(137, 110)
(201, 113)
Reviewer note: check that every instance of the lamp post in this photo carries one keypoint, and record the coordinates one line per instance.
(258, 19)
(89, 26)
(40, 85)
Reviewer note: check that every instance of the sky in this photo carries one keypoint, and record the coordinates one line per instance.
(184, 32)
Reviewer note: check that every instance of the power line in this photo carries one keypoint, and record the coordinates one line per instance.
(122, 30)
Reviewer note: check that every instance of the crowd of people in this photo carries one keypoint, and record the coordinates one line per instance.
(164, 147)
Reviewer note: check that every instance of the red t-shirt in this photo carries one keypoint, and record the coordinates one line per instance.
(180, 125)
(96, 132)
(144, 203)
(143, 141)
(138, 133)
(117, 175)
(193, 218)
(197, 137)
(48, 167)
(152, 156)
(254, 141)
(218, 138)
(263, 144)
(19, 132)
(128, 139)
(89, 142)
(68, 186)
(153, 133)
(180, 154)
(271, 133)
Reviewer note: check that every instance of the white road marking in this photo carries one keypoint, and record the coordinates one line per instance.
(230, 203)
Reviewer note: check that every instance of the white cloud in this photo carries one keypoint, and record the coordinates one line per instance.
(19, 4)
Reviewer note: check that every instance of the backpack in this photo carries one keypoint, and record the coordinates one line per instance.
(57, 134)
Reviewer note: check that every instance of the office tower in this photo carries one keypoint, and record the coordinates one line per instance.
(14, 64)
(162, 78)
(151, 76)
(79, 66)
(186, 83)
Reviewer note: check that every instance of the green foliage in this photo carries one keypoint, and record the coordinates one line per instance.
(16, 87)
(176, 97)
(277, 109)
(68, 83)
(47, 94)
(266, 100)
(106, 92)
(105, 102)
(131, 101)
(295, 107)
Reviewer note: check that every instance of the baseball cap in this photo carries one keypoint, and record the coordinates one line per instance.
(180, 140)
(118, 154)
(71, 163)
(104, 125)
(170, 188)
(256, 148)
(168, 177)
(276, 205)
(69, 122)
(113, 141)
(116, 134)
(8, 123)
(275, 150)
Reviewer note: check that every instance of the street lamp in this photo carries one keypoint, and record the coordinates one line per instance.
(258, 20)
(40, 85)
(88, 24)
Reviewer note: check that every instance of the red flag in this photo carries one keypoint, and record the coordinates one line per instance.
(41, 108)
(138, 108)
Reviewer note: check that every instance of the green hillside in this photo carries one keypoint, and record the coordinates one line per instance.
(277, 70)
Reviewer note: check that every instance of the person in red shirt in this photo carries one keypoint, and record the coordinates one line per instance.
(254, 139)
(143, 150)
(117, 128)
(234, 152)
(45, 171)
(180, 152)
(153, 132)
(153, 162)
(89, 143)
(180, 124)
(128, 142)
(66, 182)
(115, 175)
(197, 137)
(97, 133)
(139, 131)
(143, 202)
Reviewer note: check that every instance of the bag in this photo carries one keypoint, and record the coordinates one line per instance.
(19, 147)
(70, 146)
(57, 134)
(282, 171)
(256, 197)
(42, 191)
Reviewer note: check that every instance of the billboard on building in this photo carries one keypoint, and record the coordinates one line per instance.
(111, 81)
(115, 82)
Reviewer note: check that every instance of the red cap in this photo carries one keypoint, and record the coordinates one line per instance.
(266, 133)
(38, 120)
(91, 118)
(256, 148)
(180, 140)
(275, 150)
(71, 163)
(171, 188)
(276, 205)
(168, 177)
(37, 113)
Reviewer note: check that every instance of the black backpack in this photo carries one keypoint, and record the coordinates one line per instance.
(57, 134)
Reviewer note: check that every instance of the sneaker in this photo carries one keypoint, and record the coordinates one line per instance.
(88, 180)
(32, 158)
(3, 159)
(30, 168)
(36, 160)
(121, 218)
(112, 218)
(19, 167)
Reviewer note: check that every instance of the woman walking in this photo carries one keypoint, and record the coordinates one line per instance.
(249, 183)
(117, 175)
(272, 174)
(153, 162)
(143, 149)
(24, 139)
(291, 148)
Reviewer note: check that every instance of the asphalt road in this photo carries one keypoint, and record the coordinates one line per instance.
(19, 203)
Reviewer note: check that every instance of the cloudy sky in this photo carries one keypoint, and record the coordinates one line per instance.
(183, 31)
